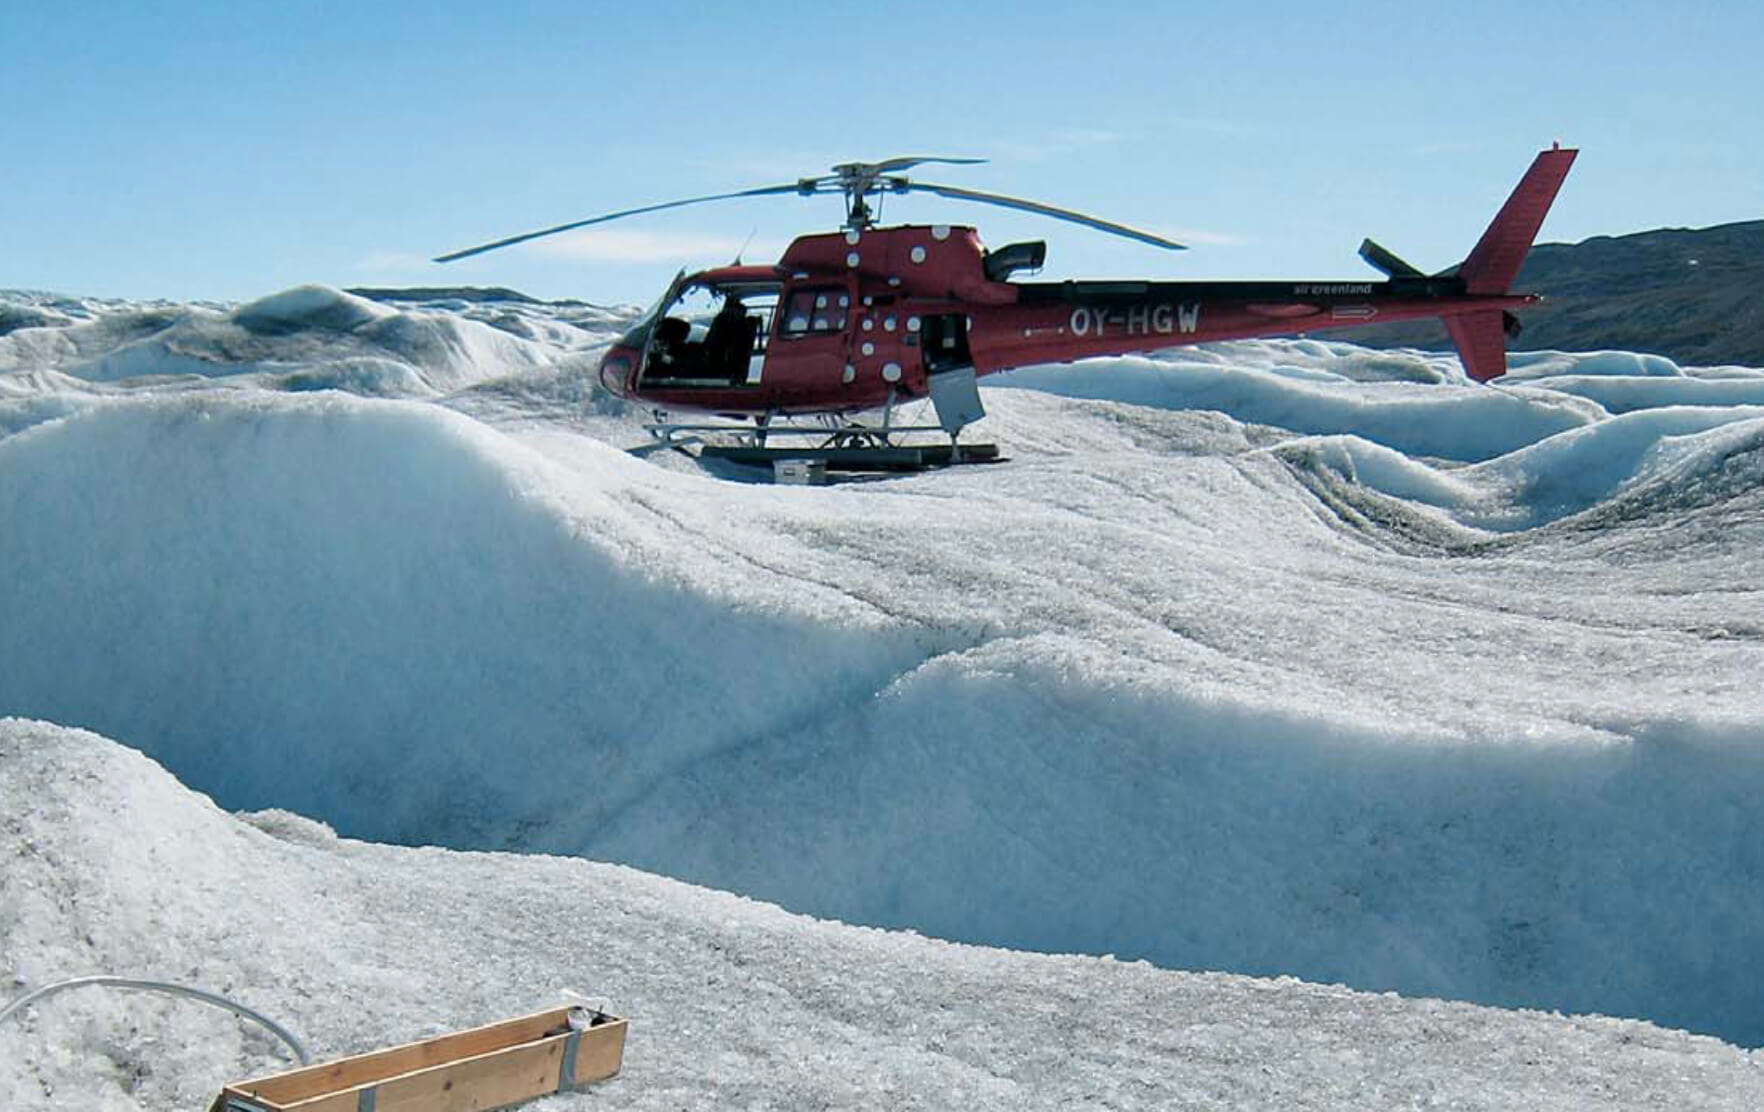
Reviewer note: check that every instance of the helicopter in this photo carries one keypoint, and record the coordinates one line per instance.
(868, 317)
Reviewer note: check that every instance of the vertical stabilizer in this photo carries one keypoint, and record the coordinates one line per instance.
(1481, 336)
(1481, 340)
(1494, 262)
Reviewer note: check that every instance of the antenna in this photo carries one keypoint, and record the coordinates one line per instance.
(744, 244)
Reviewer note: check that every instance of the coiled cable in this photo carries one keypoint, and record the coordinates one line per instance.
(170, 989)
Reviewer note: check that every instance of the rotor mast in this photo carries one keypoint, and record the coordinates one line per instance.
(857, 180)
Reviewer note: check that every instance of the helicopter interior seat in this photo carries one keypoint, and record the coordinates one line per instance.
(720, 341)
(728, 344)
(741, 348)
(669, 351)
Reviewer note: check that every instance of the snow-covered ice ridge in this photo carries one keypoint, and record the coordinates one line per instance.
(110, 863)
(1274, 658)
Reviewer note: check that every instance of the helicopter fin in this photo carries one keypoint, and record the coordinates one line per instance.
(1481, 337)
(1380, 259)
(1494, 262)
(1481, 341)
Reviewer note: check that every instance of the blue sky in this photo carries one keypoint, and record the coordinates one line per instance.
(206, 150)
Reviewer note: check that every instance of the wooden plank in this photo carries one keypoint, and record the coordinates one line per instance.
(285, 1089)
(332, 1102)
(346, 1101)
(492, 1081)
(601, 1051)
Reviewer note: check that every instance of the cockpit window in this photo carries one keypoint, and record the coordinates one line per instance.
(710, 335)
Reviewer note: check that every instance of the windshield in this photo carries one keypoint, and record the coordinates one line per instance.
(637, 335)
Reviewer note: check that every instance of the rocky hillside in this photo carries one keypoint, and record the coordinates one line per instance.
(1695, 295)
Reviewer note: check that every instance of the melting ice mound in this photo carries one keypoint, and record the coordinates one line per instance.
(306, 338)
(111, 864)
(1403, 684)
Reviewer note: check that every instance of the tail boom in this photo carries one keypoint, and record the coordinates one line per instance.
(1048, 322)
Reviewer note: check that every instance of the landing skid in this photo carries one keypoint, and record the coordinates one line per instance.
(850, 449)
(851, 459)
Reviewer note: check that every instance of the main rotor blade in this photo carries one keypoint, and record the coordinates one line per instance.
(1044, 210)
(890, 165)
(805, 186)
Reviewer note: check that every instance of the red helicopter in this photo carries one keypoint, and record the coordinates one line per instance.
(868, 317)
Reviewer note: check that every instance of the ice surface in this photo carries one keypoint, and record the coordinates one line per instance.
(111, 864)
(1622, 395)
(1312, 387)
(310, 337)
(1358, 673)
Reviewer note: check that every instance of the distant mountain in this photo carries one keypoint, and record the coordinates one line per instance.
(1693, 295)
(476, 294)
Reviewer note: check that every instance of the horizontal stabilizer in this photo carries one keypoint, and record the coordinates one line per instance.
(1381, 260)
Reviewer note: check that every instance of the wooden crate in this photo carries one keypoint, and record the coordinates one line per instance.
(467, 1071)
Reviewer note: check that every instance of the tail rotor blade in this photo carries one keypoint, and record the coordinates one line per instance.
(1042, 210)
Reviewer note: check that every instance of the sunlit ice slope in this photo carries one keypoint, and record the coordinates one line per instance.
(306, 338)
(113, 865)
(1267, 688)
(389, 615)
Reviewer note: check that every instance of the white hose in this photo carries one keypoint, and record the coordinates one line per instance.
(160, 986)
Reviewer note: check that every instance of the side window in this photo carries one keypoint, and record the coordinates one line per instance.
(816, 309)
